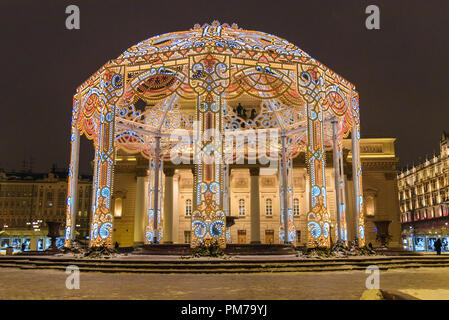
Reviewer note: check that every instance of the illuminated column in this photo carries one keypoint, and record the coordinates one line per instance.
(284, 190)
(318, 216)
(209, 76)
(102, 218)
(157, 178)
(153, 217)
(344, 229)
(168, 205)
(72, 198)
(139, 209)
(227, 197)
(255, 206)
(357, 187)
(337, 178)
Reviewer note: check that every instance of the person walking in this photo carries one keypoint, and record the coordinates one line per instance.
(438, 245)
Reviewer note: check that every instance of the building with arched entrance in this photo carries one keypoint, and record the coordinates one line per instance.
(213, 123)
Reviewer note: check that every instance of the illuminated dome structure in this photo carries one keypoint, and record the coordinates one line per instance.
(177, 86)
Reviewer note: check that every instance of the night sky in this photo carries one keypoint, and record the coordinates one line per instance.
(400, 71)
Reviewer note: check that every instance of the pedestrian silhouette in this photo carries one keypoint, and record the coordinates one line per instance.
(239, 110)
(438, 245)
(244, 114)
(116, 245)
(253, 114)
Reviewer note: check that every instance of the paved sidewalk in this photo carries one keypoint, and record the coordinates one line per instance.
(47, 284)
(227, 258)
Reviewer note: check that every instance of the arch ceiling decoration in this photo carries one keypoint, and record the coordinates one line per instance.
(153, 88)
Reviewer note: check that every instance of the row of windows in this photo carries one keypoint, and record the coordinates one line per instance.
(242, 207)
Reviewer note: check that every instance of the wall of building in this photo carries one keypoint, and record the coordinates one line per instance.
(28, 200)
(423, 193)
(379, 182)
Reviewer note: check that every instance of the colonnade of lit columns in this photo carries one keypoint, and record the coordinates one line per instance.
(143, 220)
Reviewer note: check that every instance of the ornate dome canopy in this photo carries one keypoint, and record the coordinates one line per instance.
(264, 82)
(221, 36)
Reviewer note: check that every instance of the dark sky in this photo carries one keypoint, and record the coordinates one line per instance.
(400, 71)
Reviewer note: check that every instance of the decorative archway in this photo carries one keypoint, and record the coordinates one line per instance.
(194, 81)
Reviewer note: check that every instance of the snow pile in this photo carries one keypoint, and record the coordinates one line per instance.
(339, 250)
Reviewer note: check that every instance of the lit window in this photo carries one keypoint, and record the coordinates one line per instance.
(188, 207)
(269, 207)
(296, 207)
(118, 207)
(370, 206)
(186, 236)
(241, 207)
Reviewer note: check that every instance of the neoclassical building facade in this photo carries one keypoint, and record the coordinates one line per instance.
(254, 190)
(423, 192)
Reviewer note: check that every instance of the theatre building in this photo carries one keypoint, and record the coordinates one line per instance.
(424, 201)
(379, 189)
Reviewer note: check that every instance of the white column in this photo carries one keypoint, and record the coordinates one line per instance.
(168, 205)
(336, 177)
(355, 180)
(74, 165)
(176, 209)
(284, 199)
(139, 209)
(344, 229)
(307, 207)
(255, 206)
(156, 189)
(226, 198)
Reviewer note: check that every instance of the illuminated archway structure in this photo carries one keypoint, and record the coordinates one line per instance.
(193, 80)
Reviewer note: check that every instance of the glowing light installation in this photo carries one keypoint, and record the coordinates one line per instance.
(169, 81)
(286, 196)
(341, 230)
(209, 77)
(153, 228)
(72, 190)
(357, 175)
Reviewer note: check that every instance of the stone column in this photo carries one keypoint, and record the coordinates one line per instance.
(255, 206)
(168, 205)
(336, 177)
(139, 208)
